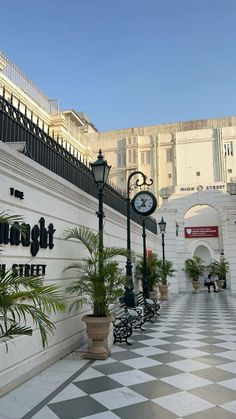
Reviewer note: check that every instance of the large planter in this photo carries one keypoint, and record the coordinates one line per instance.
(97, 330)
(164, 291)
(196, 285)
(154, 294)
(220, 283)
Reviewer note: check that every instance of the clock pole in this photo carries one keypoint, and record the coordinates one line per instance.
(145, 279)
(129, 298)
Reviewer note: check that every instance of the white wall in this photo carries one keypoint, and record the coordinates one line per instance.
(175, 210)
(61, 203)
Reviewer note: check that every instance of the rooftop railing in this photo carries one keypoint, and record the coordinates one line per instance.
(26, 85)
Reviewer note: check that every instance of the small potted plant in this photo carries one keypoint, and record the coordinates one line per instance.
(194, 268)
(95, 288)
(165, 270)
(219, 269)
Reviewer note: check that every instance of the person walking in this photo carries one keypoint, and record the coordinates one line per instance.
(209, 282)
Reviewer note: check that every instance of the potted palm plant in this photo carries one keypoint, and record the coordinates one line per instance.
(95, 288)
(165, 270)
(152, 274)
(194, 268)
(219, 269)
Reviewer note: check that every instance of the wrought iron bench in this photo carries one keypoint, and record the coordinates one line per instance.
(150, 307)
(135, 316)
(125, 320)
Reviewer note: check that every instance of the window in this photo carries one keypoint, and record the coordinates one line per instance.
(145, 157)
(132, 156)
(169, 156)
(132, 140)
(229, 170)
(121, 160)
(198, 173)
(129, 156)
(228, 149)
(169, 175)
(142, 157)
(148, 157)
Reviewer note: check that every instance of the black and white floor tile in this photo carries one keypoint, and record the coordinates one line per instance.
(182, 366)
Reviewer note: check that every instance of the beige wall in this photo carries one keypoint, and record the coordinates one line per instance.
(197, 155)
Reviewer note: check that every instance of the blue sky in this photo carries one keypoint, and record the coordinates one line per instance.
(127, 63)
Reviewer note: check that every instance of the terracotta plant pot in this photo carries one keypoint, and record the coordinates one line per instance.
(164, 291)
(97, 330)
(196, 285)
(220, 283)
(153, 294)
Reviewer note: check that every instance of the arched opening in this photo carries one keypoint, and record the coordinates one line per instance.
(201, 215)
(204, 253)
(203, 237)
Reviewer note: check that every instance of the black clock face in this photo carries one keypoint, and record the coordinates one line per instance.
(144, 203)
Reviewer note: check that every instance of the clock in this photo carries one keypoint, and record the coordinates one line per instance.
(144, 203)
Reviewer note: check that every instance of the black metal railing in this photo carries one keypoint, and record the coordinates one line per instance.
(40, 147)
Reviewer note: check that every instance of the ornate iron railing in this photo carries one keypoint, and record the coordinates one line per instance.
(40, 147)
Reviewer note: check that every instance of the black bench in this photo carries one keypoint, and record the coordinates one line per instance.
(150, 307)
(125, 320)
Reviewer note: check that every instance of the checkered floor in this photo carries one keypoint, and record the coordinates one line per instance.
(182, 366)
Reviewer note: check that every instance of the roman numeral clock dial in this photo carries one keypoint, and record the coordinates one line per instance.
(144, 203)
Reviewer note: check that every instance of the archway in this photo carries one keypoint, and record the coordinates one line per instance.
(203, 236)
(204, 253)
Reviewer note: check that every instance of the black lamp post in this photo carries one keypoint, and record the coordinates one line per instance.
(100, 170)
(129, 284)
(162, 225)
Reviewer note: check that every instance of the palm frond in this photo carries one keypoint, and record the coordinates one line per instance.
(110, 252)
(15, 330)
(85, 236)
(28, 296)
(6, 218)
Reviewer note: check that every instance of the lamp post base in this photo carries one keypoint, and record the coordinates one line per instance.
(145, 290)
(129, 298)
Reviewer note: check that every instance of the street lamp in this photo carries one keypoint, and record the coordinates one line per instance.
(129, 284)
(162, 226)
(100, 170)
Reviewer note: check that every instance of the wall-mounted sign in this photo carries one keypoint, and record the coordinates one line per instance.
(26, 269)
(16, 193)
(200, 188)
(36, 237)
(197, 232)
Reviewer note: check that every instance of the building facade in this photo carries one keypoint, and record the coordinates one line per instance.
(174, 155)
